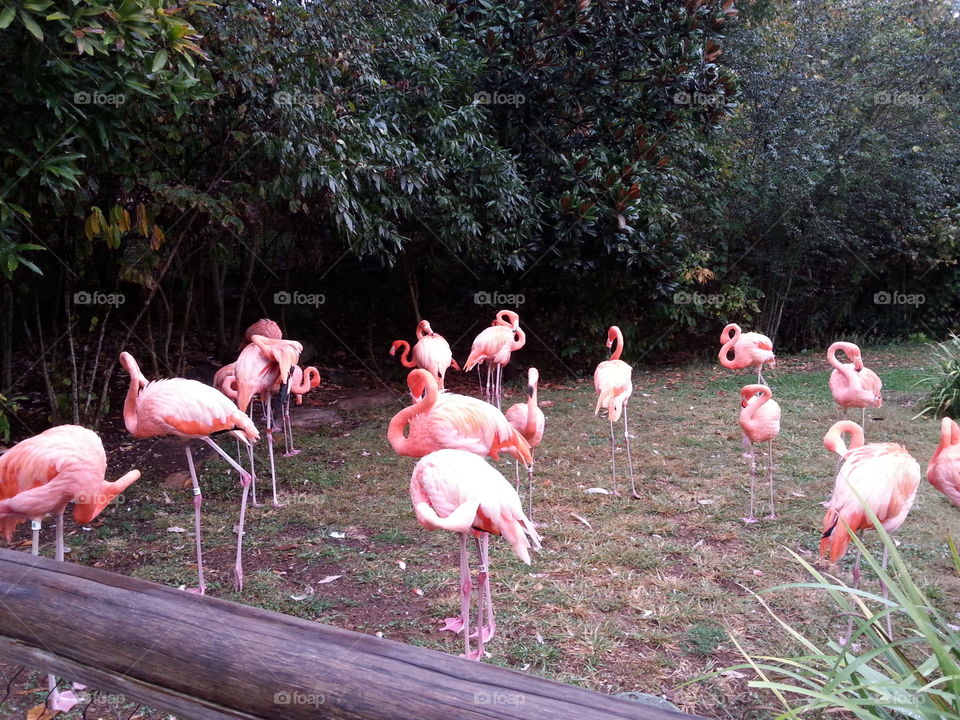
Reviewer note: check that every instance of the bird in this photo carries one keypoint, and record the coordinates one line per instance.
(263, 327)
(943, 471)
(760, 421)
(749, 349)
(613, 383)
(884, 476)
(527, 418)
(302, 381)
(432, 352)
(188, 409)
(264, 368)
(459, 491)
(493, 347)
(851, 384)
(43, 473)
(447, 420)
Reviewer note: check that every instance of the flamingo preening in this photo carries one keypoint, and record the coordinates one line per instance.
(189, 409)
(614, 385)
(493, 347)
(302, 381)
(851, 384)
(459, 491)
(749, 349)
(880, 476)
(760, 421)
(432, 352)
(943, 471)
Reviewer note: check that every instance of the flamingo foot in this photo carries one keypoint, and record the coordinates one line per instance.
(238, 578)
(750, 520)
(277, 504)
(488, 633)
(291, 453)
(453, 624)
(477, 655)
(635, 495)
(772, 516)
(62, 701)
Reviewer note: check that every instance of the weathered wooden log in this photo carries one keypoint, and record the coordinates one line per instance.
(201, 657)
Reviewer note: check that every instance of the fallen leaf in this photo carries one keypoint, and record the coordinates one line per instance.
(176, 529)
(41, 712)
(733, 674)
(583, 520)
(597, 491)
(329, 579)
(401, 564)
(338, 535)
(706, 502)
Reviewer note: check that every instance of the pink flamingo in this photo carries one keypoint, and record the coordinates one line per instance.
(264, 327)
(493, 346)
(302, 381)
(432, 352)
(749, 349)
(943, 472)
(614, 385)
(527, 418)
(458, 491)
(263, 366)
(39, 476)
(189, 409)
(760, 420)
(884, 476)
(447, 420)
(853, 385)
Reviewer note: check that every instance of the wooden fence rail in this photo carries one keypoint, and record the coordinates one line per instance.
(201, 657)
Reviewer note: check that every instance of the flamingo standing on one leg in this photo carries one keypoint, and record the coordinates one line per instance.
(853, 385)
(529, 421)
(189, 409)
(447, 420)
(614, 385)
(432, 352)
(943, 471)
(493, 346)
(760, 420)
(885, 477)
(39, 476)
(302, 381)
(749, 349)
(263, 366)
(459, 491)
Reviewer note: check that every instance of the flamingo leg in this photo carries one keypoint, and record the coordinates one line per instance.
(59, 551)
(516, 474)
(530, 492)
(750, 518)
(457, 624)
(253, 475)
(288, 430)
(626, 437)
(35, 526)
(499, 384)
(489, 386)
(773, 513)
(56, 700)
(863, 417)
(760, 379)
(483, 580)
(273, 470)
(245, 480)
(613, 454)
(197, 502)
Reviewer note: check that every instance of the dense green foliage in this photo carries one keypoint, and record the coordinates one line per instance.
(664, 165)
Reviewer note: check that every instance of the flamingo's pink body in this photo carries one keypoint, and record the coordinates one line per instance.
(614, 384)
(188, 409)
(446, 420)
(851, 384)
(527, 418)
(458, 491)
(943, 472)
(760, 421)
(749, 349)
(884, 475)
(493, 346)
(40, 475)
(432, 352)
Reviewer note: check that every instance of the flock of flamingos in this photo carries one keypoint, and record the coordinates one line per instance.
(452, 487)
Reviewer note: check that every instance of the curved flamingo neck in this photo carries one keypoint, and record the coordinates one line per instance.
(399, 422)
(833, 440)
(851, 350)
(130, 415)
(615, 335)
(405, 355)
(531, 428)
(519, 341)
(729, 337)
(949, 436)
(423, 329)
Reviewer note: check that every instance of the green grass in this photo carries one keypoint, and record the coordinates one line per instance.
(633, 603)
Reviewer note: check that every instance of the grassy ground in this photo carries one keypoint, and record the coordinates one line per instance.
(627, 595)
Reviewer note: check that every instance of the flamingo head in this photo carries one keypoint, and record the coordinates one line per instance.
(508, 318)
(88, 505)
(424, 329)
(419, 382)
(533, 377)
(132, 368)
(749, 392)
(612, 335)
(397, 345)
